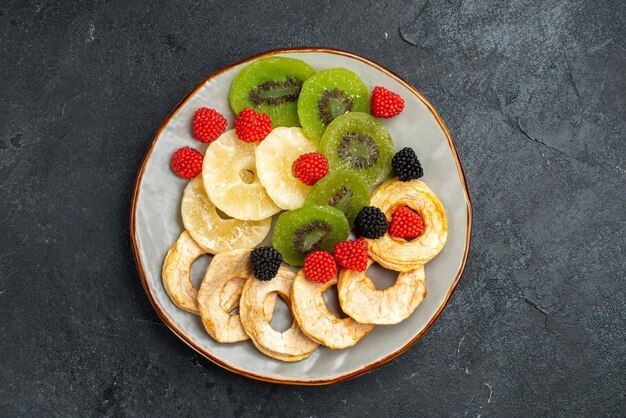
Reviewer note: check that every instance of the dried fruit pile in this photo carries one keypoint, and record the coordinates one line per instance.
(305, 144)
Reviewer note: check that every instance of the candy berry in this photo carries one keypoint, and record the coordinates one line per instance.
(265, 262)
(352, 254)
(187, 162)
(311, 167)
(406, 224)
(208, 124)
(385, 103)
(320, 266)
(371, 222)
(252, 126)
(406, 165)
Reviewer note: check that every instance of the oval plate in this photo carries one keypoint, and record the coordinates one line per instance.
(155, 224)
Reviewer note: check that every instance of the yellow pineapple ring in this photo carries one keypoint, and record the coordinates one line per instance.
(220, 293)
(313, 316)
(231, 182)
(274, 160)
(397, 253)
(360, 299)
(212, 232)
(175, 273)
(290, 345)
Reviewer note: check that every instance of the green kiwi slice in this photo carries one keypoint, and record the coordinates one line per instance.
(328, 94)
(358, 142)
(271, 86)
(307, 229)
(342, 189)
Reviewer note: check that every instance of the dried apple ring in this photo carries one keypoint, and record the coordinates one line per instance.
(400, 254)
(290, 345)
(175, 273)
(360, 299)
(320, 324)
(220, 293)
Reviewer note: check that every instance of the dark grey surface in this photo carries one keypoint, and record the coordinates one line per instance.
(533, 93)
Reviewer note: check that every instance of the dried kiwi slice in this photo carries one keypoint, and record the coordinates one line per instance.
(358, 142)
(271, 86)
(342, 189)
(328, 94)
(307, 229)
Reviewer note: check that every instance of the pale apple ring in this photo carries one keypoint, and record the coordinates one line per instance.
(320, 324)
(360, 299)
(176, 269)
(290, 345)
(220, 293)
(397, 253)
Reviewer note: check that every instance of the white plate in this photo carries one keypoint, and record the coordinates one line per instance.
(156, 224)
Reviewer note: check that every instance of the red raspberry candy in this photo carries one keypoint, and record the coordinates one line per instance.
(406, 224)
(352, 254)
(252, 126)
(311, 167)
(320, 266)
(187, 162)
(208, 124)
(385, 103)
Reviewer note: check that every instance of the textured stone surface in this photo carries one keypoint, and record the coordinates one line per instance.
(533, 93)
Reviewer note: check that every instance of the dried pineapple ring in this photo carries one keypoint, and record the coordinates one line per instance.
(313, 316)
(397, 253)
(212, 232)
(360, 299)
(175, 273)
(290, 345)
(230, 179)
(275, 157)
(220, 293)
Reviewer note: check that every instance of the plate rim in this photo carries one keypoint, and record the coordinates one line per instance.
(273, 378)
